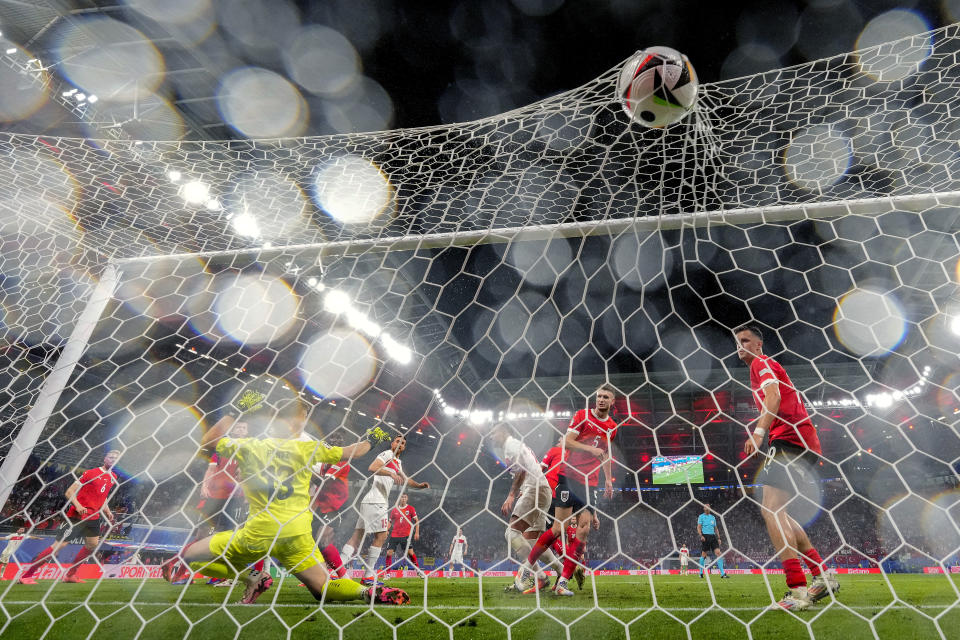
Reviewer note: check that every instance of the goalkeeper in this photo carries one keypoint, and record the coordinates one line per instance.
(275, 474)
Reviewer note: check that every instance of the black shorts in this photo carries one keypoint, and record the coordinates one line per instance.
(330, 519)
(84, 528)
(399, 544)
(709, 543)
(571, 493)
(790, 468)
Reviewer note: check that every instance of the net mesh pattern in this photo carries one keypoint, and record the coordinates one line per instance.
(436, 281)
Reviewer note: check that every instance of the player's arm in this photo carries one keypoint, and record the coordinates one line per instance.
(700, 530)
(71, 494)
(207, 480)
(507, 506)
(416, 526)
(417, 485)
(208, 443)
(608, 473)
(570, 442)
(771, 405)
(356, 450)
(379, 468)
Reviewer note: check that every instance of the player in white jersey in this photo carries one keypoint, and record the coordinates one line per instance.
(14, 540)
(375, 507)
(458, 547)
(684, 559)
(528, 502)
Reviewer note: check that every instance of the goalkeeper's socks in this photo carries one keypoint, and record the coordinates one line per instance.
(342, 590)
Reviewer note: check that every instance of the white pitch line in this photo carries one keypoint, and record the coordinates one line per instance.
(452, 607)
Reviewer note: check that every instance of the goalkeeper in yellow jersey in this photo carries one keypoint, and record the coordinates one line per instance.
(275, 475)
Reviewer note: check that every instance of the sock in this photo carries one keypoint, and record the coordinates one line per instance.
(702, 559)
(258, 565)
(557, 547)
(543, 543)
(413, 557)
(553, 561)
(520, 545)
(332, 556)
(720, 564)
(37, 562)
(343, 589)
(214, 569)
(373, 554)
(794, 573)
(346, 554)
(569, 564)
(388, 559)
(78, 559)
(813, 561)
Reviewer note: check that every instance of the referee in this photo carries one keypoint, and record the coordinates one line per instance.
(709, 542)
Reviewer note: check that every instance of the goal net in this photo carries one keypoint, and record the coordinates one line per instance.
(436, 282)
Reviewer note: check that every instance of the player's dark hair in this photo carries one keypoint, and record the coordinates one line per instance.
(752, 327)
(606, 386)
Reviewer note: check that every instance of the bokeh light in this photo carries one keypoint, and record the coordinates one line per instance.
(164, 288)
(352, 190)
(109, 59)
(259, 103)
(817, 157)
(363, 105)
(869, 322)
(256, 310)
(338, 364)
(265, 205)
(894, 60)
(176, 12)
(322, 61)
(539, 261)
(159, 440)
(47, 194)
(153, 118)
(20, 95)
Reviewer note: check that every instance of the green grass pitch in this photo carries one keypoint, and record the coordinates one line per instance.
(908, 606)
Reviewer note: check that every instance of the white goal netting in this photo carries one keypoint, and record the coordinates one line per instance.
(438, 281)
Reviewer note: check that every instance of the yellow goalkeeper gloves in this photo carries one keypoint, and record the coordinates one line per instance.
(377, 435)
(250, 400)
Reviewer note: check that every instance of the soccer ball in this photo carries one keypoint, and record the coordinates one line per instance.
(657, 86)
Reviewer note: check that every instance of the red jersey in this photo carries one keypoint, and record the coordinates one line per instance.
(551, 466)
(594, 432)
(95, 485)
(223, 482)
(335, 491)
(792, 423)
(403, 519)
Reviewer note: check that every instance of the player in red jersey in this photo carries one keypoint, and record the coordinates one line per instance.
(790, 467)
(329, 499)
(588, 439)
(405, 520)
(87, 498)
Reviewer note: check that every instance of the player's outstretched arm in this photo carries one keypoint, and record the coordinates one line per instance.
(356, 450)
(208, 443)
(417, 485)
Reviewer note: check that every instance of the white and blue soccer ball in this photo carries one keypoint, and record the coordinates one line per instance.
(657, 87)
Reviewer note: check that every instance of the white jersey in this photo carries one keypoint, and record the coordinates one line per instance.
(383, 485)
(684, 554)
(459, 543)
(13, 543)
(518, 457)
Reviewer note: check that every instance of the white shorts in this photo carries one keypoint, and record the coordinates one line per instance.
(532, 506)
(456, 558)
(684, 560)
(374, 518)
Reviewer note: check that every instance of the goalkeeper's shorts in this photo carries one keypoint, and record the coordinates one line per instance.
(295, 553)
